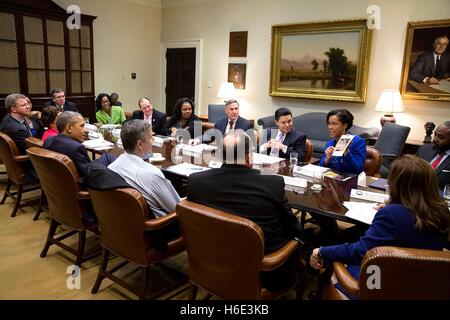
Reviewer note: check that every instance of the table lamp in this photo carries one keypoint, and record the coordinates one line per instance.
(389, 102)
(227, 91)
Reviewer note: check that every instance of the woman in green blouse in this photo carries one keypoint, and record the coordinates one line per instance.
(106, 113)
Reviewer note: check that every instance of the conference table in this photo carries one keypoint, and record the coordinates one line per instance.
(327, 202)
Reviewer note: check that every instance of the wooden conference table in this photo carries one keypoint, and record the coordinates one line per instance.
(327, 202)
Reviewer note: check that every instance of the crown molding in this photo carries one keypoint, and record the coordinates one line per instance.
(179, 3)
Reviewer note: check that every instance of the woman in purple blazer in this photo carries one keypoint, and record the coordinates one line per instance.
(417, 217)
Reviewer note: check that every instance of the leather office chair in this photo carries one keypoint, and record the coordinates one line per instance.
(66, 202)
(126, 230)
(390, 143)
(36, 142)
(403, 273)
(309, 150)
(267, 122)
(216, 112)
(14, 163)
(226, 254)
(373, 162)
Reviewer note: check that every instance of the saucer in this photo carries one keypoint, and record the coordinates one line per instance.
(316, 188)
(157, 159)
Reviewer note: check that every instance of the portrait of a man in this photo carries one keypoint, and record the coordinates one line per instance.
(426, 64)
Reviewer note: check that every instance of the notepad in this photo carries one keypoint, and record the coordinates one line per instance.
(186, 169)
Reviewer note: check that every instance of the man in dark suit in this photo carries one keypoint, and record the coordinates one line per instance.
(14, 124)
(59, 100)
(70, 141)
(247, 193)
(438, 153)
(232, 122)
(430, 67)
(154, 117)
(281, 142)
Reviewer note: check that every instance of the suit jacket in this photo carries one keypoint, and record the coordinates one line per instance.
(427, 152)
(172, 123)
(16, 130)
(68, 106)
(247, 193)
(158, 119)
(294, 140)
(70, 147)
(425, 66)
(241, 123)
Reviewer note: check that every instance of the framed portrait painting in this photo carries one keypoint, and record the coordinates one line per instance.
(426, 61)
(321, 60)
(236, 74)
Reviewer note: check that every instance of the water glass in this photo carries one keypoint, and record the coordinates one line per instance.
(293, 159)
(317, 180)
(447, 194)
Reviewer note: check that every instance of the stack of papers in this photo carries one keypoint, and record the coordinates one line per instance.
(361, 211)
(295, 182)
(110, 126)
(259, 158)
(186, 169)
(98, 144)
(197, 149)
(157, 142)
(309, 170)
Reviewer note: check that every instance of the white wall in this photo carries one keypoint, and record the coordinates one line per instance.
(212, 22)
(126, 40)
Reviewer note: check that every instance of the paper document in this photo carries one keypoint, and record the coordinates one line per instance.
(98, 144)
(361, 211)
(369, 196)
(157, 142)
(309, 170)
(186, 169)
(199, 148)
(296, 182)
(443, 85)
(342, 145)
(259, 158)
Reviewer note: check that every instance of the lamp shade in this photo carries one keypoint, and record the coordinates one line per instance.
(227, 90)
(390, 101)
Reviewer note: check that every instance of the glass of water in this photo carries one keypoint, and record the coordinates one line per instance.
(293, 158)
(447, 194)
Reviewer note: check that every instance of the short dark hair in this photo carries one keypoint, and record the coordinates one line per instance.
(282, 112)
(56, 90)
(49, 114)
(239, 144)
(139, 102)
(343, 115)
(10, 100)
(98, 101)
(179, 104)
(133, 131)
(65, 118)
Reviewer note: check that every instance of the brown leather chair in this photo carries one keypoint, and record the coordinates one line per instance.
(34, 142)
(309, 150)
(226, 254)
(66, 202)
(373, 162)
(126, 230)
(14, 162)
(128, 115)
(403, 273)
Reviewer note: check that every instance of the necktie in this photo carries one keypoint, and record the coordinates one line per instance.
(231, 125)
(438, 73)
(27, 127)
(436, 162)
(275, 152)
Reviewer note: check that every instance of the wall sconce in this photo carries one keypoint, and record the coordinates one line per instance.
(390, 101)
(227, 91)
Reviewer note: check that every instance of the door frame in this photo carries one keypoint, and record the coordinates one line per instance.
(179, 44)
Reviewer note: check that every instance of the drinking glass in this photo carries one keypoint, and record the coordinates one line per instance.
(447, 194)
(317, 180)
(293, 159)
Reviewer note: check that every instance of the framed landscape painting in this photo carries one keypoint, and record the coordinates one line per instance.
(321, 60)
(423, 76)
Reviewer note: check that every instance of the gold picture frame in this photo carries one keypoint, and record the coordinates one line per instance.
(327, 60)
(419, 62)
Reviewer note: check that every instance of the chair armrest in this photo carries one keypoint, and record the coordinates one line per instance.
(207, 125)
(83, 195)
(21, 158)
(345, 279)
(277, 258)
(155, 224)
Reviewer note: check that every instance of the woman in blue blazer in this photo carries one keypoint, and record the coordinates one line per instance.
(417, 217)
(339, 121)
